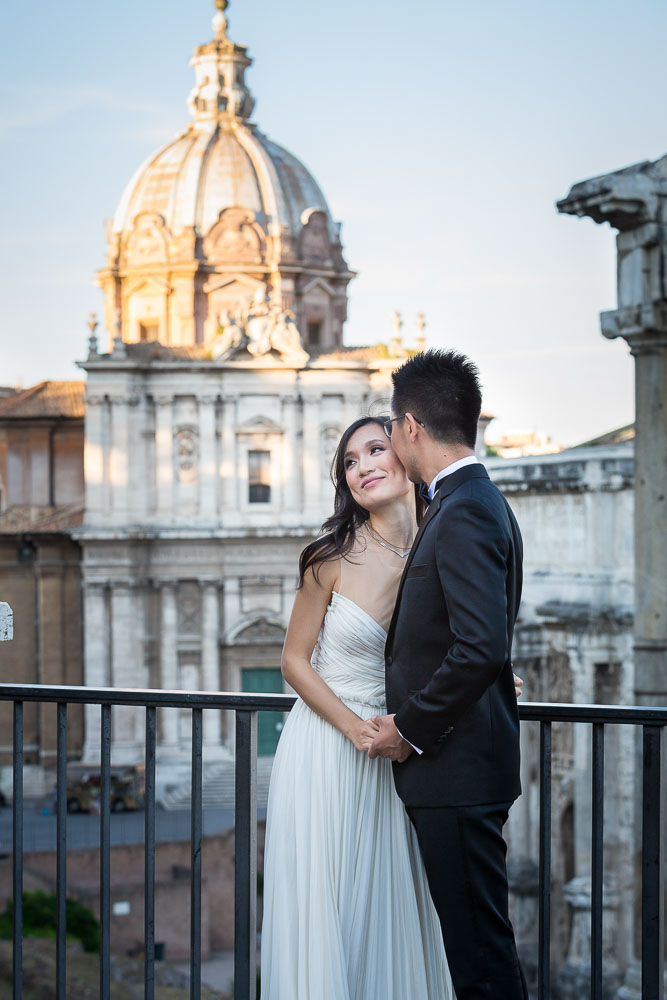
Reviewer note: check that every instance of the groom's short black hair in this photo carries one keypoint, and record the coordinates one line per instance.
(442, 389)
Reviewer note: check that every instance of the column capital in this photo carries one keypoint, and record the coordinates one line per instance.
(643, 327)
(124, 399)
(94, 400)
(207, 400)
(126, 584)
(163, 399)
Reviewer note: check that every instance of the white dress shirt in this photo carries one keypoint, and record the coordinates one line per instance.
(462, 462)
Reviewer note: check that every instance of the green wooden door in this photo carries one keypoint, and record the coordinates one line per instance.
(265, 680)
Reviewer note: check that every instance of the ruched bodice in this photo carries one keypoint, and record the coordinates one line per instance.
(349, 654)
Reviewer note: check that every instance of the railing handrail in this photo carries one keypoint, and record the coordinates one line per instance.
(535, 711)
(246, 706)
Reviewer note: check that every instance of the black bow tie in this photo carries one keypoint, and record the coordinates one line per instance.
(424, 494)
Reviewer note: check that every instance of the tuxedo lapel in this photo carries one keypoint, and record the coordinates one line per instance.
(444, 488)
(432, 510)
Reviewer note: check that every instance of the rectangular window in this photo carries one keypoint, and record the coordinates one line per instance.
(314, 332)
(259, 481)
(148, 331)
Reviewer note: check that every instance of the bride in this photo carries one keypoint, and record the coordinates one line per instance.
(347, 911)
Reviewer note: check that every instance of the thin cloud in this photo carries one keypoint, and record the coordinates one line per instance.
(33, 107)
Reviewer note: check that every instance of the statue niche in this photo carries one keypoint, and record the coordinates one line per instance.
(314, 244)
(235, 238)
(147, 243)
(186, 453)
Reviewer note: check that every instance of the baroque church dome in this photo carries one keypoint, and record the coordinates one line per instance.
(208, 169)
(220, 217)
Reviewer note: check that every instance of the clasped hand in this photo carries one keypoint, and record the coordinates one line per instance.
(379, 737)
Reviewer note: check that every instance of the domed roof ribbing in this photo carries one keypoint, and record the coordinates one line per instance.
(221, 160)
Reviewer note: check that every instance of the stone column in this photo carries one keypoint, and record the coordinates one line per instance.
(95, 660)
(119, 465)
(228, 478)
(208, 472)
(231, 597)
(354, 407)
(210, 663)
(632, 201)
(127, 671)
(574, 976)
(139, 488)
(164, 458)
(650, 354)
(93, 457)
(168, 661)
(311, 459)
(290, 451)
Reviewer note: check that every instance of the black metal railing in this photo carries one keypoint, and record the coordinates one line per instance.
(245, 707)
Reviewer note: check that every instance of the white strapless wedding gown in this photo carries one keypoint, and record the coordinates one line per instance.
(347, 911)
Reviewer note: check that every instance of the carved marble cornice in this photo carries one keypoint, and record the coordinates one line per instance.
(124, 400)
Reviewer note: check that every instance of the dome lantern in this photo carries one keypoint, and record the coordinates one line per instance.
(220, 217)
(220, 66)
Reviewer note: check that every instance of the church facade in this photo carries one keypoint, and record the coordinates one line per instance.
(212, 419)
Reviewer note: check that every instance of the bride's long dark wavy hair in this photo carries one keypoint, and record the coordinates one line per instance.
(339, 530)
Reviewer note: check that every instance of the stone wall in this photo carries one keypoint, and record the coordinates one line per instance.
(172, 891)
(41, 580)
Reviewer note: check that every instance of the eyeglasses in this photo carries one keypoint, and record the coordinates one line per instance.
(388, 428)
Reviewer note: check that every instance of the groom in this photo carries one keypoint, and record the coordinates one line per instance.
(454, 731)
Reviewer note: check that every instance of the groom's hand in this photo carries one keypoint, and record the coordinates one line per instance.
(389, 742)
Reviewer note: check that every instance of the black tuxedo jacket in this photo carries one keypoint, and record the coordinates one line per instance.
(448, 652)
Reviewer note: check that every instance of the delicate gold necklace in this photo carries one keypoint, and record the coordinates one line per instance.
(402, 553)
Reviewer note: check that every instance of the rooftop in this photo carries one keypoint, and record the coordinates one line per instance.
(64, 400)
(22, 519)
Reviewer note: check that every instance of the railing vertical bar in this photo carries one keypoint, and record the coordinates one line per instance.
(195, 864)
(61, 853)
(597, 794)
(149, 858)
(653, 865)
(105, 850)
(17, 853)
(544, 932)
(245, 862)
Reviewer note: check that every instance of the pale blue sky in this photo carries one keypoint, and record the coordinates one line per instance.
(441, 134)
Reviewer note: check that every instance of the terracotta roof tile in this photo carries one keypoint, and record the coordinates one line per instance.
(20, 519)
(46, 399)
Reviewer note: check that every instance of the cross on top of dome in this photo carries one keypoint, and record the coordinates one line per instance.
(220, 90)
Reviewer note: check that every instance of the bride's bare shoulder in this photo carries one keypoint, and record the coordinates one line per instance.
(324, 575)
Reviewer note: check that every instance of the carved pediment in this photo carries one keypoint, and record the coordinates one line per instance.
(244, 284)
(147, 243)
(235, 238)
(261, 630)
(259, 425)
(145, 286)
(318, 284)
